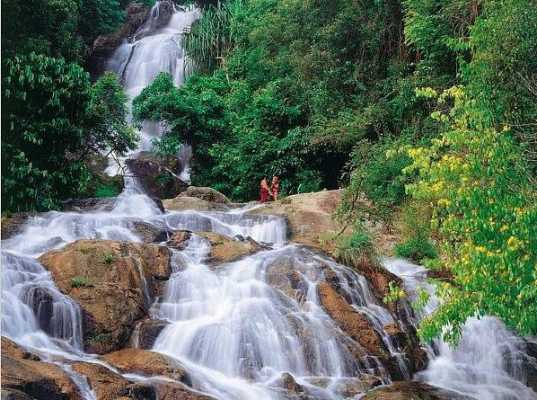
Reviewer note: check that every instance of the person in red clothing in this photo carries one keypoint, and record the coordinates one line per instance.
(275, 187)
(264, 191)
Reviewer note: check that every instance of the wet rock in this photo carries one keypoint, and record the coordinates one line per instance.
(350, 320)
(224, 249)
(13, 350)
(89, 204)
(378, 277)
(23, 376)
(146, 332)
(150, 233)
(109, 385)
(282, 274)
(394, 332)
(112, 281)
(104, 45)
(159, 18)
(287, 382)
(348, 388)
(529, 363)
(205, 193)
(158, 176)
(179, 239)
(14, 395)
(145, 362)
(412, 391)
(185, 203)
(176, 391)
(42, 303)
(13, 224)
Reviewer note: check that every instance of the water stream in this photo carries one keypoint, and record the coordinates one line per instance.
(236, 327)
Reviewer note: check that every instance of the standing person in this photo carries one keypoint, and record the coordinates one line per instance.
(264, 190)
(275, 187)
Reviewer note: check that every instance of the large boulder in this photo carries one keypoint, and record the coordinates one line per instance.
(158, 175)
(104, 45)
(176, 391)
(188, 203)
(24, 376)
(89, 204)
(145, 362)
(225, 249)
(205, 193)
(108, 385)
(412, 391)
(150, 233)
(113, 283)
(350, 321)
(309, 215)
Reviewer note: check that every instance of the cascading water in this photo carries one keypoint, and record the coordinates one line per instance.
(236, 327)
(156, 48)
(488, 363)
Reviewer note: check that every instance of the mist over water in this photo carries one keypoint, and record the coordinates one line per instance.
(236, 327)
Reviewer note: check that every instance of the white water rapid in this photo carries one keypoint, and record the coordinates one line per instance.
(489, 361)
(243, 328)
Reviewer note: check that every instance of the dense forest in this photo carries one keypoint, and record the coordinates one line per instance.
(426, 108)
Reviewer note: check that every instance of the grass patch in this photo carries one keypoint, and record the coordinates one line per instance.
(80, 281)
(353, 248)
(108, 258)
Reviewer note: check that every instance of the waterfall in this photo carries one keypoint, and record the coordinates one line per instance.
(488, 361)
(155, 49)
(238, 327)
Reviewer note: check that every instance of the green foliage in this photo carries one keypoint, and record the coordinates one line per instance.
(416, 248)
(109, 259)
(414, 226)
(59, 28)
(291, 96)
(484, 213)
(210, 38)
(356, 247)
(104, 191)
(80, 281)
(99, 17)
(394, 294)
(107, 109)
(52, 120)
(100, 338)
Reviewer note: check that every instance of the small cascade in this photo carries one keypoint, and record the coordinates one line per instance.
(38, 315)
(184, 155)
(488, 362)
(232, 326)
(261, 228)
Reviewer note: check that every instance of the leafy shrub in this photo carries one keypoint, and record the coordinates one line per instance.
(416, 248)
(395, 293)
